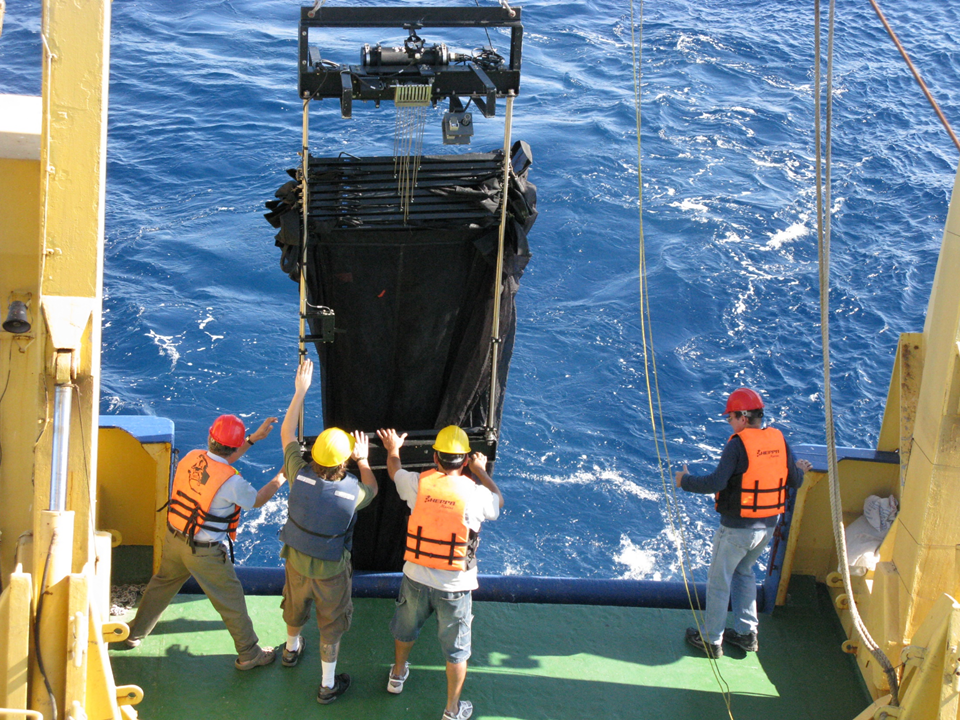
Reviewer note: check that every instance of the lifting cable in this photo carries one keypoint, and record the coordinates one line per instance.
(916, 74)
(650, 368)
(823, 253)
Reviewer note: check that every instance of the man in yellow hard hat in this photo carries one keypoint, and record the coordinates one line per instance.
(318, 536)
(440, 571)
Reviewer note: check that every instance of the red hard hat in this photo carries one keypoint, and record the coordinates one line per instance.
(228, 430)
(743, 399)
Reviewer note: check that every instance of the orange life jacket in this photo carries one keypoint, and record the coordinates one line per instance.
(762, 489)
(197, 480)
(437, 534)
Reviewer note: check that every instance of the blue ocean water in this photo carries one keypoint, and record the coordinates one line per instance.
(199, 320)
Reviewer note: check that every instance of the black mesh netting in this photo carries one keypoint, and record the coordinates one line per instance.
(413, 301)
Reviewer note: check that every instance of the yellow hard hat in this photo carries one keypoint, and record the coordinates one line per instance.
(332, 447)
(452, 440)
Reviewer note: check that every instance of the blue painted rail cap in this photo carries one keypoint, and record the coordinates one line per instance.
(145, 428)
(817, 455)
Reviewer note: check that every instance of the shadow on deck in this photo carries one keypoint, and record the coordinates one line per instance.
(529, 661)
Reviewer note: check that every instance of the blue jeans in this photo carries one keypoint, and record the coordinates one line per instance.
(731, 580)
(454, 616)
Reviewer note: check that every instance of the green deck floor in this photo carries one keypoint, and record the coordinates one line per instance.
(529, 661)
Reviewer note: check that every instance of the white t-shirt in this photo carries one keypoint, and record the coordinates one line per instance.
(235, 491)
(481, 504)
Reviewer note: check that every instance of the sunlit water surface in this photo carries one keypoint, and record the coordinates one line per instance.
(199, 320)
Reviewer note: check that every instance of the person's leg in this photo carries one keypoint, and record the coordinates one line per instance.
(456, 675)
(161, 589)
(454, 621)
(729, 548)
(334, 615)
(218, 579)
(296, 603)
(743, 586)
(412, 610)
(401, 654)
(328, 663)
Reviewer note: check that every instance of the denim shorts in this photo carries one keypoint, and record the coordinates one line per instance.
(454, 617)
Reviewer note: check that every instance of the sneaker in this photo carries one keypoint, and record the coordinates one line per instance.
(131, 643)
(711, 650)
(264, 658)
(326, 695)
(464, 711)
(289, 658)
(745, 641)
(394, 683)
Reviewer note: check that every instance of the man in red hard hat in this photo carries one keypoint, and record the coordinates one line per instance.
(202, 514)
(750, 484)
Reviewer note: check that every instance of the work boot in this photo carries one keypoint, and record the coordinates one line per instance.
(745, 641)
(264, 658)
(326, 695)
(694, 638)
(289, 658)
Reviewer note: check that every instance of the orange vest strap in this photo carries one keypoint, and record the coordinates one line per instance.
(437, 533)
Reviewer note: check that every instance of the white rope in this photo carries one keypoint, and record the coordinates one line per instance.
(823, 252)
(316, 6)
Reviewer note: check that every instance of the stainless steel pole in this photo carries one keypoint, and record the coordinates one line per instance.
(62, 406)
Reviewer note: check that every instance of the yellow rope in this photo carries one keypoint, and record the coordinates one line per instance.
(650, 369)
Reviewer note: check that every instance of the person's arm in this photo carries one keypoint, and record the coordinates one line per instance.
(732, 460)
(796, 469)
(361, 450)
(269, 490)
(259, 434)
(288, 428)
(478, 466)
(392, 444)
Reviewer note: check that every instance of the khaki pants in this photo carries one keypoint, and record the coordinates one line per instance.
(214, 572)
(332, 597)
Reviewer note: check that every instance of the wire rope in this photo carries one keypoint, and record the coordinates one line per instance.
(674, 517)
(823, 165)
(916, 74)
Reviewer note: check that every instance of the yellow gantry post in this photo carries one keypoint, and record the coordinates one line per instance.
(928, 526)
(52, 178)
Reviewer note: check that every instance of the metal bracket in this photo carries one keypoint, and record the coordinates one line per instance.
(115, 632)
(328, 324)
(912, 655)
(488, 106)
(346, 94)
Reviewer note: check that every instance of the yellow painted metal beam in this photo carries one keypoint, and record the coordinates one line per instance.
(928, 526)
(73, 157)
(15, 624)
(21, 394)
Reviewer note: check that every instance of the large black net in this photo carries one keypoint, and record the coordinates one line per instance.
(413, 301)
